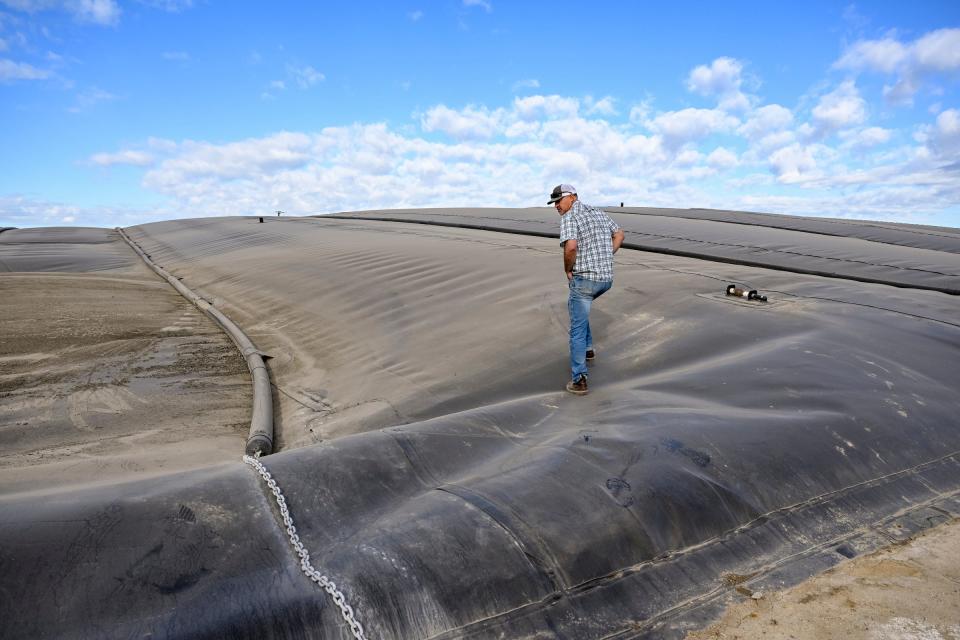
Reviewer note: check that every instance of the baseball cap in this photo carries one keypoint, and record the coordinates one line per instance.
(561, 190)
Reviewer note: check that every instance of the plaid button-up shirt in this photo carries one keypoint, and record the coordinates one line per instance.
(593, 230)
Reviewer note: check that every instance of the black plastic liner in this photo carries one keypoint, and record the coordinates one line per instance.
(759, 441)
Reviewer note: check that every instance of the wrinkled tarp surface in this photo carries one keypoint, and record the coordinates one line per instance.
(78, 249)
(856, 250)
(440, 476)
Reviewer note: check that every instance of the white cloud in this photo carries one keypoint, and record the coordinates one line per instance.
(721, 79)
(306, 76)
(369, 165)
(948, 122)
(10, 70)
(688, 158)
(722, 76)
(722, 158)
(162, 145)
(945, 138)
(3, 45)
(572, 166)
(866, 138)
(842, 107)
(468, 123)
(236, 160)
(678, 127)
(415, 15)
(172, 6)
(484, 4)
(765, 120)
(939, 50)
(17, 39)
(21, 211)
(911, 63)
(30, 6)
(522, 129)
(553, 106)
(640, 113)
(604, 106)
(902, 91)
(180, 56)
(530, 83)
(775, 140)
(129, 157)
(886, 55)
(102, 12)
(794, 163)
(511, 155)
(90, 98)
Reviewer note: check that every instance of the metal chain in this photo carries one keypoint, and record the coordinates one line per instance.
(328, 585)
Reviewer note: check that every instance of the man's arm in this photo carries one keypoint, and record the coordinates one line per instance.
(617, 239)
(569, 257)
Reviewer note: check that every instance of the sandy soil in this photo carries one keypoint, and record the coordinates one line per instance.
(907, 591)
(107, 377)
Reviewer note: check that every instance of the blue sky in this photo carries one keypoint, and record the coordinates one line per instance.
(114, 113)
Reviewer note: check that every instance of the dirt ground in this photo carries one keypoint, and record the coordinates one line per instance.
(112, 376)
(909, 591)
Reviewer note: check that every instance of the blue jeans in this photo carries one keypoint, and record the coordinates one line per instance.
(582, 294)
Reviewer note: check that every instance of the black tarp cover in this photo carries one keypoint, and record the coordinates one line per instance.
(439, 474)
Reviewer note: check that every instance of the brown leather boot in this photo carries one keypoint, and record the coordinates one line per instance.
(578, 387)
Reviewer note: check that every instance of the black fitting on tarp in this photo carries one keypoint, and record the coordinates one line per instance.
(742, 292)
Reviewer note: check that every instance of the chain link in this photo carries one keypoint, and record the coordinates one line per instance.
(308, 569)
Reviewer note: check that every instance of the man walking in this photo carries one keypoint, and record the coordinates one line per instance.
(589, 239)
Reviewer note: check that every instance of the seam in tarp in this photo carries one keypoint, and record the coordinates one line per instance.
(671, 252)
(537, 552)
(261, 419)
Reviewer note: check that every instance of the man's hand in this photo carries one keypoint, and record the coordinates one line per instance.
(617, 239)
(569, 275)
(569, 256)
